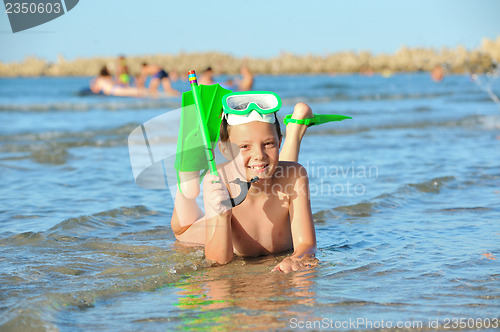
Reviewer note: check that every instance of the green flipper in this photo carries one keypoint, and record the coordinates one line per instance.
(317, 119)
(191, 146)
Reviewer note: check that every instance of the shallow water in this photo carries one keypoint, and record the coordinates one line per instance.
(405, 196)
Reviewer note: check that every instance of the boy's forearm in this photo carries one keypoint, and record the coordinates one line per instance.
(219, 244)
(304, 249)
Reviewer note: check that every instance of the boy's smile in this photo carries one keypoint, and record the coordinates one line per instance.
(258, 168)
(259, 145)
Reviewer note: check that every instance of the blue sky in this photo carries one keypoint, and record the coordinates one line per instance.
(252, 27)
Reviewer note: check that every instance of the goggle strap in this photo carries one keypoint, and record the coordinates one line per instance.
(236, 119)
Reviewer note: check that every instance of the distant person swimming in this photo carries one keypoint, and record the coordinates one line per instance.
(158, 75)
(437, 73)
(104, 84)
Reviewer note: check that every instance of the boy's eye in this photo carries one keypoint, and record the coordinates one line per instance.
(269, 144)
(243, 146)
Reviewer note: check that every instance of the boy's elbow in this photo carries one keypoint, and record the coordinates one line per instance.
(225, 260)
(219, 257)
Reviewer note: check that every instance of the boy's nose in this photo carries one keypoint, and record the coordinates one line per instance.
(258, 153)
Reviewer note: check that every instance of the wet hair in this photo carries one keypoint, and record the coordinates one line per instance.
(225, 128)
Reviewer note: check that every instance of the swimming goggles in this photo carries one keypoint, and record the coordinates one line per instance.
(244, 107)
(240, 103)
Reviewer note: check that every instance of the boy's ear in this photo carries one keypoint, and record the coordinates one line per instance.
(225, 149)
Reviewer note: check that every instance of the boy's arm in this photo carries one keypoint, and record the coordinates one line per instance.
(219, 241)
(302, 226)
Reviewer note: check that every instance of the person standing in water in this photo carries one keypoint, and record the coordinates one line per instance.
(122, 76)
(207, 77)
(158, 76)
(246, 82)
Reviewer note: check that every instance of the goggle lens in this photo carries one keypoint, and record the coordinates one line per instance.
(263, 102)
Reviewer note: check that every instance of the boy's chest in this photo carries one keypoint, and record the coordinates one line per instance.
(261, 227)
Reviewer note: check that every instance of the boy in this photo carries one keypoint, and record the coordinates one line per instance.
(276, 214)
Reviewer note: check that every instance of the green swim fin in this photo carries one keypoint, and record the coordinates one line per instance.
(317, 119)
(191, 146)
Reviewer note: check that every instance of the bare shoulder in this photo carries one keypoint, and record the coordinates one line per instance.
(290, 170)
(292, 179)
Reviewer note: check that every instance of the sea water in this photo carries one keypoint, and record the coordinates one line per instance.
(405, 199)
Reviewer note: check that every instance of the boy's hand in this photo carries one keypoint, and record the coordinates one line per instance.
(215, 193)
(290, 264)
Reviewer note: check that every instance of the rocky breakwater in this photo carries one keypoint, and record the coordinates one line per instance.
(453, 60)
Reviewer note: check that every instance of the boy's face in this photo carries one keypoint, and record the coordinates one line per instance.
(259, 146)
